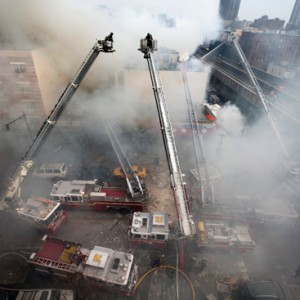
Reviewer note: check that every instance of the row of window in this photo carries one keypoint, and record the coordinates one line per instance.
(22, 87)
(68, 199)
(28, 104)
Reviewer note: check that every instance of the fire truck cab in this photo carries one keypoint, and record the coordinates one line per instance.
(149, 229)
(45, 214)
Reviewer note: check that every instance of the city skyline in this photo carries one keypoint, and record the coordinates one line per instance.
(254, 9)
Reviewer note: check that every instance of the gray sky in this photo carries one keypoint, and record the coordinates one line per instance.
(254, 9)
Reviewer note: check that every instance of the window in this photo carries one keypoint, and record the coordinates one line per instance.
(115, 264)
(74, 198)
(3, 103)
(29, 104)
(145, 221)
(19, 67)
(24, 87)
(44, 295)
(160, 237)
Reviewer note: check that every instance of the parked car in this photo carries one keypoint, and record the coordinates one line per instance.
(139, 171)
(51, 171)
(47, 294)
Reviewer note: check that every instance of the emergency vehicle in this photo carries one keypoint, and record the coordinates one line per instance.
(97, 196)
(206, 123)
(221, 235)
(149, 229)
(45, 214)
(99, 267)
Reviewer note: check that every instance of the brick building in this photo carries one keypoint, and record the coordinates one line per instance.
(19, 89)
(263, 49)
(266, 24)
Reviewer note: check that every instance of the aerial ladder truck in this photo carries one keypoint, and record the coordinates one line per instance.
(11, 192)
(185, 219)
(133, 182)
(206, 187)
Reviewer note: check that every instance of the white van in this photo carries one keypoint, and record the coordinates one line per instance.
(51, 170)
(49, 294)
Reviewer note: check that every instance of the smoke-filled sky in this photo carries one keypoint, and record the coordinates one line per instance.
(71, 21)
(68, 29)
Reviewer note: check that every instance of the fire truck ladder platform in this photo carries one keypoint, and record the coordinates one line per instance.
(184, 217)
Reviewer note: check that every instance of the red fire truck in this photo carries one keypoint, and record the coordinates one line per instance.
(98, 196)
(98, 267)
(206, 123)
(45, 214)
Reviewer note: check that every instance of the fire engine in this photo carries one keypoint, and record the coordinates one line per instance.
(97, 196)
(100, 267)
(205, 123)
(45, 214)
(221, 235)
(149, 229)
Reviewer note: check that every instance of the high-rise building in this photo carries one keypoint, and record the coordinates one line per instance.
(294, 23)
(229, 9)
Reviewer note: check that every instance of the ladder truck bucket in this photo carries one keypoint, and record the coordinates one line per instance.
(148, 45)
(108, 46)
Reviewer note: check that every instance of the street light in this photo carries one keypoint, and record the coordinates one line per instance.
(23, 116)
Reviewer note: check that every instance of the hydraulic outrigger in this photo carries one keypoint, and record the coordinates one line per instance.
(12, 188)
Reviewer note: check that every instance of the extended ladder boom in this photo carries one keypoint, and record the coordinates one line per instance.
(65, 98)
(132, 180)
(147, 46)
(259, 91)
(207, 192)
(12, 187)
